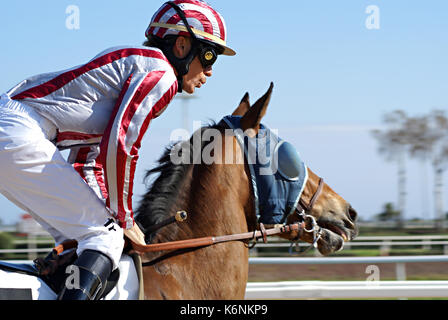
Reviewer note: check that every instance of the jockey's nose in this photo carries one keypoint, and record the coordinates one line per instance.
(208, 71)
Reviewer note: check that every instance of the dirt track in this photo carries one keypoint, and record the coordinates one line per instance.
(414, 271)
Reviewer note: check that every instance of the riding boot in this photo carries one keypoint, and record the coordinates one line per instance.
(93, 268)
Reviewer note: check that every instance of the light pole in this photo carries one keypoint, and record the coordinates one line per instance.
(185, 112)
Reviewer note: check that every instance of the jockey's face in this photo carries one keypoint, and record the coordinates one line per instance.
(197, 74)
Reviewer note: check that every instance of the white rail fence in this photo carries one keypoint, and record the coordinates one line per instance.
(384, 243)
(399, 261)
(346, 289)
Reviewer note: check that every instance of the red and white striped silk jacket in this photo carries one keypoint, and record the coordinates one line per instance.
(101, 111)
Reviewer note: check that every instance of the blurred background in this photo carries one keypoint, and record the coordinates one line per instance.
(360, 90)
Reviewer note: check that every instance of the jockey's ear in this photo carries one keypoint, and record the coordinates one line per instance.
(251, 120)
(243, 107)
(182, 47)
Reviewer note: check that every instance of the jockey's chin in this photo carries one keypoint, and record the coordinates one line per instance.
(190, 86)
(188, 89)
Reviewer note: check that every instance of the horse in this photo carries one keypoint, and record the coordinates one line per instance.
(219, 198)
(218, 194)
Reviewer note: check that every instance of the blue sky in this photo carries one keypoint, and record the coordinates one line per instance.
(334, 78)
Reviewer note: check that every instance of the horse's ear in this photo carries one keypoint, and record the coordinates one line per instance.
(252, 118)
(243, 107)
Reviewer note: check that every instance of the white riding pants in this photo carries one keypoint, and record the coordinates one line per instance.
(35, 176)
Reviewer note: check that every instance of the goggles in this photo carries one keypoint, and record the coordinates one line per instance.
(207, 54)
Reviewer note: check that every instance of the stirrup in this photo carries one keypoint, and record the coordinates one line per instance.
(88, 277)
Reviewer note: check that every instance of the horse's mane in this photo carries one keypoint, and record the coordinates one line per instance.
(156, 204)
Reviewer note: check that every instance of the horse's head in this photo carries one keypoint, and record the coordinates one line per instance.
(321, 208)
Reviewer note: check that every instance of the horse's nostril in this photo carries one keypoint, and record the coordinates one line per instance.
(352, 213)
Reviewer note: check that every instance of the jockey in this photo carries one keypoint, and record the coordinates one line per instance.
(100, 111)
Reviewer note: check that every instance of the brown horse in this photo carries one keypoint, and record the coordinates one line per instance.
(219, 201)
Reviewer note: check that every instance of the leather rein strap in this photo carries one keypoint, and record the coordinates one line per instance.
(207, 241)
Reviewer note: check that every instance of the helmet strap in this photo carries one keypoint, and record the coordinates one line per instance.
(182, 65)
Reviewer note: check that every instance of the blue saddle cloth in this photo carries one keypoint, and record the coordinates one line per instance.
(26, 268)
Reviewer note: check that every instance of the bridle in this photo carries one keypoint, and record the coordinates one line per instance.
(306, 208)
(303, 211)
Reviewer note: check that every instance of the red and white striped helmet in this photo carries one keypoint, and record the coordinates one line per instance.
(205, 22)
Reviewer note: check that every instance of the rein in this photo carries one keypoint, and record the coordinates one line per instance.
(208, 241)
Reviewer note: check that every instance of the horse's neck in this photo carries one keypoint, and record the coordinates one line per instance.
(214, 206)
(178, 230)
(214, 200)
(220, 199)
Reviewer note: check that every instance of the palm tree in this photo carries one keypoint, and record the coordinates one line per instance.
(428, 140)
(439, 129)
(392, 144)
(389, 213)
(421, 144)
